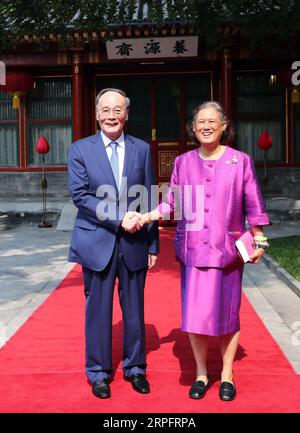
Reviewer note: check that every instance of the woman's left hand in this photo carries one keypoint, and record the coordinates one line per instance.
(257, 255)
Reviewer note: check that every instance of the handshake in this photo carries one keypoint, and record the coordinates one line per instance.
(134, 221)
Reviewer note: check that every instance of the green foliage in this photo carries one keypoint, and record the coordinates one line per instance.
(257, 18)
(260, 19)
(286, 251)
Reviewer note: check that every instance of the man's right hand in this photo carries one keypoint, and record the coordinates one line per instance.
(132, 222)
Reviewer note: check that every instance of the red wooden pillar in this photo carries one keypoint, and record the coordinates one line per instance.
(77, 95)
(289, 125)
(23, 157)
(227, 96)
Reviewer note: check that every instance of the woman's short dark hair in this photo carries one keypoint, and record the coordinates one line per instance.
(227, 135)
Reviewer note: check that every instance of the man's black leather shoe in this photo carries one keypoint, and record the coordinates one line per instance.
(227, 391)
(139, 383)
(101, 388)
(198, 389)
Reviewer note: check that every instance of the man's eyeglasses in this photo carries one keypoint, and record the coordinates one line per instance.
(115, 111)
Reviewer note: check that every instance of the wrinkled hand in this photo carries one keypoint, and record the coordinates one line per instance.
(149, 217)
(145, 218)
(132, 222)
(151, 260)
(257, 255)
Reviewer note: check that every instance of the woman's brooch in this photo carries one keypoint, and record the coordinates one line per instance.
(234, 160)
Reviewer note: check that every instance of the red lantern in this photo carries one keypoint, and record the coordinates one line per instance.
(17, 84)
(265, 141)
(42, 145)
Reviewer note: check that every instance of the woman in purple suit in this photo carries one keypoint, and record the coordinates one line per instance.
(214, 188)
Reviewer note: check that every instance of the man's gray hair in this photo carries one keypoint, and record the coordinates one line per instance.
(111, 89)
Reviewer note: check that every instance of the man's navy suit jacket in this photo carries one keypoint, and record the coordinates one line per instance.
(94, 237)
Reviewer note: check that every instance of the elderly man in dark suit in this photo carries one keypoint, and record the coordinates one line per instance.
(108, 240)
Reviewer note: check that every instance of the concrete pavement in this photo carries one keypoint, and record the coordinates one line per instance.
(34, 261)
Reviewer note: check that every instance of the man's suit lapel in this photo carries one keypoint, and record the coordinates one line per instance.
(101, 156)
(128, 162)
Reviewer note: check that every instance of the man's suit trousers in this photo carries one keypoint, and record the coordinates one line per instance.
(99, 289)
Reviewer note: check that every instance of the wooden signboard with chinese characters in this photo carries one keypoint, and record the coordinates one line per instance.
(151, 48)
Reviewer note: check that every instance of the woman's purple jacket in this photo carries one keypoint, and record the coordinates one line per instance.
(210, 200)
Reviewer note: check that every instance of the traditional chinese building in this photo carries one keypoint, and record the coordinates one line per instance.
(166, 71)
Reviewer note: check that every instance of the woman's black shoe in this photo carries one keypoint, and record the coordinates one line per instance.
(198, 389)
(227, 391)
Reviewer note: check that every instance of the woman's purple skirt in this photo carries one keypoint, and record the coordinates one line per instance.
(211, 299)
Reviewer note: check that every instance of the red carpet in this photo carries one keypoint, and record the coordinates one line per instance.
(42, 366)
